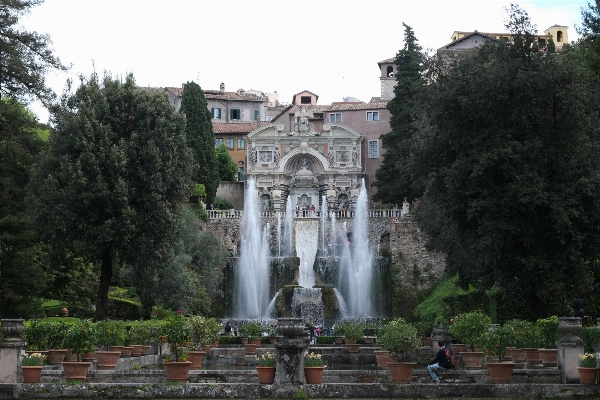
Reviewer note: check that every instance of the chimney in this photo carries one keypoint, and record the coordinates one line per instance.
(222, 87)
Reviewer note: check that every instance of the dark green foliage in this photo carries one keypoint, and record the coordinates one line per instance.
(222, 204)
(508, 147)
(322, 340)
(589, 44)
(410, 63)
(25, 57)
(22, 277)
(200, 138)
(110, 188)
(229, 340)
(227, 168)
(590, 337)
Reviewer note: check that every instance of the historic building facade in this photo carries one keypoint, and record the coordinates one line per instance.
(305, 163)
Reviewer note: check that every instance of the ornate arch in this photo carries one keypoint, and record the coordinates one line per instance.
(292, 162)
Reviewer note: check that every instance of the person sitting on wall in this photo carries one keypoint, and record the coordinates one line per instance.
(440, 362)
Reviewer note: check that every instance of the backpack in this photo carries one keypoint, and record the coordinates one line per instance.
(450, 357)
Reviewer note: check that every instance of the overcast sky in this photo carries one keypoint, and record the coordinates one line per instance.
(328, 47)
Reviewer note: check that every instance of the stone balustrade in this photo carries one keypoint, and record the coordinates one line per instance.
(339, 214)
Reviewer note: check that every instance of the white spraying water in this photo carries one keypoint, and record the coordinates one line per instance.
(343, 309)
(279, 234)
(333, 232)
(323, 223)
(356, 263)
(289, 227)
(252, 275)
(307, 243)
(271, 310)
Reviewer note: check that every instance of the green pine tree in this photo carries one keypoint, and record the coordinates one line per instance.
(200, 138)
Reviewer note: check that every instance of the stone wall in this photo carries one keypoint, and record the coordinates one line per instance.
(233, 192)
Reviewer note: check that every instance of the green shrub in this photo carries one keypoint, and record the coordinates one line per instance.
(80, 338)
(229, 340)
(325, 340)
(469, 327)
(590, 337)
(251, 330)
(548, 330)
(36, 334)
(527, 334)
(222, 204)
(353, 332)
(111, 333)
(398, 337)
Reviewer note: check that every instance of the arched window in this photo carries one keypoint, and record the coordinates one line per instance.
(390, 71)
(559, 36)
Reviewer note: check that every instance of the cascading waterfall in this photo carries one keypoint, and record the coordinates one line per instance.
(323, 223)
(306, 248)
(289, 227)
(252, 275)
(278, 234)
(356, 263)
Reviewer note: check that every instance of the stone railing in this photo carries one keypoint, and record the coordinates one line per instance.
(339, 214)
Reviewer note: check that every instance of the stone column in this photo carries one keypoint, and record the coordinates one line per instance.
(290, 351)
(10, 350)
(569, 347)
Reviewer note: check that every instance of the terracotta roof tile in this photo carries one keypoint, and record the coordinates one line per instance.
(217, 94)
(344, 106)
(243, 127)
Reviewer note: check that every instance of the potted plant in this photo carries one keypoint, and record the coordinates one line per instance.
(549, 334)
(273, 335)
(398, 338)
(468, 328)
(177, 334)
(494, 343)
(252, 331)
(588, 368)
(31, 366)
(353, 333)
(201, 336)
(110, 335)
(55, 335)
(313, 367)
(79, 339)
(266, 368)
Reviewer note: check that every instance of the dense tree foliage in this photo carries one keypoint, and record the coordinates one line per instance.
(227, 168)
(111, 186)
(589, 44)
(25, 57)
(22, 276)
(200, 138)
(393, 178)
(508, 146)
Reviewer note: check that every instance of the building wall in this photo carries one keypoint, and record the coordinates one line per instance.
(232, 192)
(246, 109)
(236, 153)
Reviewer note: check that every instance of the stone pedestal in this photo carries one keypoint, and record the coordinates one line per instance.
(10, 350)
(569, 347)
(290, 351)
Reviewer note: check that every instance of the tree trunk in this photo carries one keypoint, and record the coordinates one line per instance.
(105, 279)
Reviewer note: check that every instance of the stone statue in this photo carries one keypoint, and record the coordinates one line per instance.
(301, 125)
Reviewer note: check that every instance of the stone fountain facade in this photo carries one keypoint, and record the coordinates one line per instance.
(305, 164)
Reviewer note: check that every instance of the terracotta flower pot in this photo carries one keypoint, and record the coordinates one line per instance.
(518, 355)
(55, 357)
(75, 370)
(368, 340)
(116, 348)
(88, 357)
(532, 356)
(256, 341)
(126, 352)
(383, 358)
(587, 376)
(472, 359)
(500, 372)
(313, 375)
(244, 340)
(177, 371)
(273, 339)
(352, 348)
(145, 350)
(70, 356)
(137, 350)
(32, 374)
(339, 340)
(107, 359)
(196, 357)
(401, 372)
(549, 357)
(459, 348)
(249, 348)
(266, 375)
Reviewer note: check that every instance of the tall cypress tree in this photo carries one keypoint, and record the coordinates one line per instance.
(393, 179)
(200, 138)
